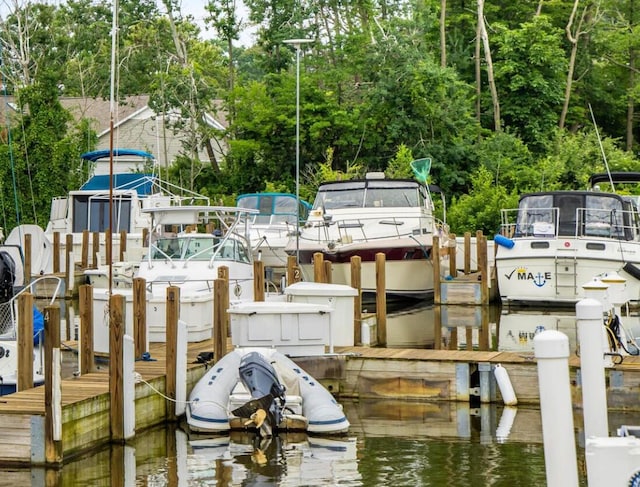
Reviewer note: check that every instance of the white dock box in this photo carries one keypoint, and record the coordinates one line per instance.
(295, 329)
(339, 296)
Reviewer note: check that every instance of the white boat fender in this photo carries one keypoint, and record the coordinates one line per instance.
(504, 383)
(504, 241)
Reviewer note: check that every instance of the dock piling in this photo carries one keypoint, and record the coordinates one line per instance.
(25, 342)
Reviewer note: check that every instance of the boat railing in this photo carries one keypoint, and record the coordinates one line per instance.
(365, 229)
(9, 309)
(583, 222)
(207, 284)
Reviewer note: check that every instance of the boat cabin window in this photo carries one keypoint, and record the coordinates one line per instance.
(200, 249)
(370, 194)
(274, 208)
(574, 214)
(91, 212)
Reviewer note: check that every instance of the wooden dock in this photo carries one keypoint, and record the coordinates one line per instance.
(85, 408)
(417, 375)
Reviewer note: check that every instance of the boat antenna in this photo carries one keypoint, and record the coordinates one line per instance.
(114, 45)
(604, 156)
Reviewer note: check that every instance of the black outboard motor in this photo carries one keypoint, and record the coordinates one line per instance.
(261, 380)
(7, 276)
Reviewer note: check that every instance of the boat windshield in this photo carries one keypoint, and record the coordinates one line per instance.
(273, 208)
(370, 194)
(574, 213)
(201, 248)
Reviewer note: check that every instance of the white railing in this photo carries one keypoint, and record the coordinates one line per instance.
(9, 309)
(586, 222)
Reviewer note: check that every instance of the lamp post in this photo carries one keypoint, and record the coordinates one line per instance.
(297, 43)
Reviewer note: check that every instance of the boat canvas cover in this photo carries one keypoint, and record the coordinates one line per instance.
(142, 183)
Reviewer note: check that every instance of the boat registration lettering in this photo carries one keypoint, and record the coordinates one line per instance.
(523, 274)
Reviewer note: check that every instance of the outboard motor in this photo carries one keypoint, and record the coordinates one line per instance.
(265, 410)
(7, 276)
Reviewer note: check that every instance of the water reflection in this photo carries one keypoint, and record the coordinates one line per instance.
(390, 443)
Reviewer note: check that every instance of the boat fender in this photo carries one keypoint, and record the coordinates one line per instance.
(503, 241)
(632, 270)
(504, 383)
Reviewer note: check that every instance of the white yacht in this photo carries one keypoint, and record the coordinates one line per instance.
(128, 194)
(557, 241)
(368, 216)
(189, 258)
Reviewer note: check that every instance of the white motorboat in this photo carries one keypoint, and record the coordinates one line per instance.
(246, 381)
(365, 217)
(189, 259)
(128, 194)
(276, 222)
(557, 241)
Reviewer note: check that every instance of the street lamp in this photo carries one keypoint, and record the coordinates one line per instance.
(297, 43)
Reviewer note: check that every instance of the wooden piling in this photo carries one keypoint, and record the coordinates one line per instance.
(56, 252)
(435, 259)
(467, 253)
(116, 367)
(219, 318)
(381, 298)
(172, 316)
(86, 329)
(327, 271)
(25, 342)
(145, 237)
(356, 283)
(95, 241)
(84, 262)
(483, 268)
(140, 316)
(52, 394)
(27, 259)
(258, 280)
(453, 267)
(68, 271)
(293, 270)
(318, 267)
(223, 273)
(123, 245)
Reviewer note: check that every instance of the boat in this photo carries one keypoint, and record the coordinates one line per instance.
(369, 216)
(187, 247)
(557, 241)
(272, 228)
(261, 389)
(87, 209)
(10, 293)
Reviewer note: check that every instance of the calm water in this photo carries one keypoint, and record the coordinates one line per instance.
(390, 443)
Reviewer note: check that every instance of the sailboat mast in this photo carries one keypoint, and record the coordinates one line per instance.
(112, 109)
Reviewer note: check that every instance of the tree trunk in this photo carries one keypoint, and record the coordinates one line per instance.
(443, 39)
(573, 39)
(487, 55)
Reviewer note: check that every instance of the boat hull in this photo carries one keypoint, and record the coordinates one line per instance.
(408, 268)
(554, 270)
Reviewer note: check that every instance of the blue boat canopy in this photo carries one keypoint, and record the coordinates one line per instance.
(142, 183)
(102, 153)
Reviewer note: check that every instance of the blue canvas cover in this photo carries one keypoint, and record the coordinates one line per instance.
(142, 183)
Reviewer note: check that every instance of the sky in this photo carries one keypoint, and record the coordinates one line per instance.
(197, 10)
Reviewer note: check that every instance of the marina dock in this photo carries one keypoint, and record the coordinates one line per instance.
(418, 375)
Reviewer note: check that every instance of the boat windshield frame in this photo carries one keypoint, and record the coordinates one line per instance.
(374, 193)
